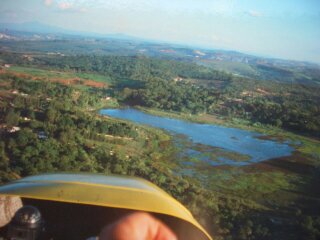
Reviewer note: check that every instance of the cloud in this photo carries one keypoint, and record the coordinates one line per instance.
(9, 14)
(48, 2)
(65, 5)
(83, 10)
(71, 6)
(254, 13)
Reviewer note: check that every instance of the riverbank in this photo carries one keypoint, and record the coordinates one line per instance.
(303, 144)
(214, 119)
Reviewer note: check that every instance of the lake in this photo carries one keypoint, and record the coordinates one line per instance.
(227, 143)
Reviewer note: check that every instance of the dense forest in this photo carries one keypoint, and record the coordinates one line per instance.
(49, 126)
(292, 111)
(186, 87)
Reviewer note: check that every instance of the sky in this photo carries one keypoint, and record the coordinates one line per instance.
(288, 29)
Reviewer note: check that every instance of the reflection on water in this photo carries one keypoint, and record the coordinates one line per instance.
(216, 145)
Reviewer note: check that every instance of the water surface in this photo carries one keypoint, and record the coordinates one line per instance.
(232, 140)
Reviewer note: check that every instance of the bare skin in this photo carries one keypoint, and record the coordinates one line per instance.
(137, 226)
(8, 207)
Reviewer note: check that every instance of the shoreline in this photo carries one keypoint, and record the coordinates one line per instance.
(308, 147)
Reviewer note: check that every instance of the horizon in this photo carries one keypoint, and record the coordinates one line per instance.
(287, 30)
(129, 38)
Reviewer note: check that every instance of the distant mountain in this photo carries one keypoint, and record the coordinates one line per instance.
(4, 36)
(34, 27)
(37, 27)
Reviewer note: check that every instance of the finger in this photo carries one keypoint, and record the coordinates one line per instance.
(137, 226)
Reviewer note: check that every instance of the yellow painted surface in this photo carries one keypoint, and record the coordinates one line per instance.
(110, 191)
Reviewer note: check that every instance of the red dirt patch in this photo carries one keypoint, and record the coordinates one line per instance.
(21, 75)
(67, 81)
(79, 81)
(95, 84)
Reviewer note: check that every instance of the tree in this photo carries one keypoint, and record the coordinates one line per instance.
(24, 137)
(51, 114)
(12, 118)
(4, 160)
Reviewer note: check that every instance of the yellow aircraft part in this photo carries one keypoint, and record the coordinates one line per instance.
(109, 191)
